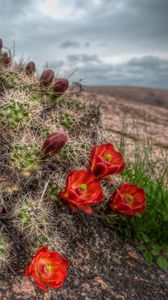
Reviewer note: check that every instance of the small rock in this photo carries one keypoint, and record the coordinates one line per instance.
(86, 287)
(133, 255)
(100, 281)
(24, 286)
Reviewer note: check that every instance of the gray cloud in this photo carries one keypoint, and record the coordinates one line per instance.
(87, 44)
(120, 29)
(10, 8)
(83, 58)
(68, 44)
(144, 71)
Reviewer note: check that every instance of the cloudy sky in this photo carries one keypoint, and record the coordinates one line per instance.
(119, 42)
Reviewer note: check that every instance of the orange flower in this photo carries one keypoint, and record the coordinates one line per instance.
(128, 200)
(48, 268)
(83, 189)
(105, 160)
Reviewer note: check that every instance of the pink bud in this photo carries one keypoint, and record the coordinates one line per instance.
(30, 68)
(46, 78)
(60, 86)
(1, 44)
(54, 142)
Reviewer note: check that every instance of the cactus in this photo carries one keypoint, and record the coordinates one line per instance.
(14, 114)
(67, 121)
(32, 218)
(30, 68)
(46, 78)
(29, 115)
(25, 158)
(9, 79)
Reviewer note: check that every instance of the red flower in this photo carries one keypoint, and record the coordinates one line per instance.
(54, 142)
(60, 86)
(83, 189)
(30, 68)
(128, 200)
(49, 269)
(105, 160)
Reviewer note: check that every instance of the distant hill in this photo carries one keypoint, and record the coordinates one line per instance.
(151, 96)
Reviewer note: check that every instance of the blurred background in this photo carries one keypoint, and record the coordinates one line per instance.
(103, 42)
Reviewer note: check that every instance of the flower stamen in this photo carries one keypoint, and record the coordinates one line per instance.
(108, 157)
(83, 187)
(129, 197)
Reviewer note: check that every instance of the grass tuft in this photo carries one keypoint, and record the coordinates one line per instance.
(147, 167)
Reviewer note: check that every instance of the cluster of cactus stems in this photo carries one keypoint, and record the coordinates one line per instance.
(25, 158)
(30, 215)
(32, 218)
(15, 113)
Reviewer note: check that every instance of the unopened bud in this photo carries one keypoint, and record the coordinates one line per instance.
(60, 86)
(30, 68)
(46, 78)
(1, 44)
(54, 142)
(7, 60)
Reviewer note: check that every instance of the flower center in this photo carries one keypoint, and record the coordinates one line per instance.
(129, 197)
(49, 268)
(108, 157)
(83, 187)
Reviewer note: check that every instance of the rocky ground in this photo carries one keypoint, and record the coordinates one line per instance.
(102, 265)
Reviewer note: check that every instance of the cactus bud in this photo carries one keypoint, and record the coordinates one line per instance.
(54, 143)
(60, 86)
(46, 78)
(7, 60)
(1, 44)
(30, 68)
